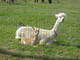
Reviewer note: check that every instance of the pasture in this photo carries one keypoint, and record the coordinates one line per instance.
(40, 15)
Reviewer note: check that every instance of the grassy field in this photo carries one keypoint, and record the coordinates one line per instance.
(40, 15)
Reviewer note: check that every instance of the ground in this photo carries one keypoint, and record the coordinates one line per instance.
(40, 15)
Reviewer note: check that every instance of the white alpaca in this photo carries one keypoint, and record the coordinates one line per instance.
(27, 35)
(44, 36)
(47, 36)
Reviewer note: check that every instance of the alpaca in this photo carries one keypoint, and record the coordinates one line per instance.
(47, 36)
(27, 35)
(43, 36)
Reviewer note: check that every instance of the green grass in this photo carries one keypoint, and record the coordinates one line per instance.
(40, 15)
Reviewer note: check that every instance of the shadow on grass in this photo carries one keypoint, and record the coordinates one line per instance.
(7, 52)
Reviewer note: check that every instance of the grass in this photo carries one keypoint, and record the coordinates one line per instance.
(40, 15)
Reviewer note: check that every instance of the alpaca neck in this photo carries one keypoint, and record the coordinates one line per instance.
(57, 25)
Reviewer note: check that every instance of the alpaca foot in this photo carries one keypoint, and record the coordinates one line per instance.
(42, 42)
(51, 42)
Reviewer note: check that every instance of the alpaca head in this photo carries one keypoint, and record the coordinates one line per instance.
(60, 16)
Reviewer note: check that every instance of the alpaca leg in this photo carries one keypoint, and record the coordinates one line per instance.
(51, 42)
(43, 41)
(36, 0)
(42, 0)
